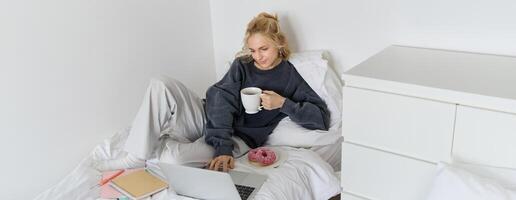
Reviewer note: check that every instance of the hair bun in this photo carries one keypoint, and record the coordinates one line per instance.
(264, 22)
(268, 16)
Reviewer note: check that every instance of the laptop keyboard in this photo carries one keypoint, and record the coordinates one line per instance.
(244, 191)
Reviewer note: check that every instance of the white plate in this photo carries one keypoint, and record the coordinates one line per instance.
(281, 157)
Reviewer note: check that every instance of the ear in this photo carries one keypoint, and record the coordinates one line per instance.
(281, 52)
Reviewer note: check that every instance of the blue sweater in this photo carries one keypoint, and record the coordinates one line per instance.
(226, 115)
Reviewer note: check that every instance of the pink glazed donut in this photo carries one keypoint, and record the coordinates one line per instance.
(262, 155)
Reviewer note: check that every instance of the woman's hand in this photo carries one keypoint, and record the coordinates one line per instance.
(271, 100)
(224, 161)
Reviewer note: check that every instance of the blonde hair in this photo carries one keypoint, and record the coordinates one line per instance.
(268, 26)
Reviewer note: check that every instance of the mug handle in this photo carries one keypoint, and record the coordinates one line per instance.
(260, 108)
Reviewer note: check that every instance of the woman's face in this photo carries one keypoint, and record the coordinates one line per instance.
(264, 52)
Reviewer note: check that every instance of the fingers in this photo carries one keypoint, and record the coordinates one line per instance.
(225, 166)
(266, 98)
(271, 100)
(212, 164)
(207, 165)
(222, 163)
(215, 163)
(232, 163)
(268, 92)
(266, 104)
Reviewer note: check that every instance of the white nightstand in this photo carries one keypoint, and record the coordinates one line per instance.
(406, 108)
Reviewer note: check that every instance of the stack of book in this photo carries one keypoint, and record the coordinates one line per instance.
(134, 184)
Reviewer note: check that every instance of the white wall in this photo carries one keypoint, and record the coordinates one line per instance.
(354, 30)
(74, 72)
(477, 26)
(349, 30)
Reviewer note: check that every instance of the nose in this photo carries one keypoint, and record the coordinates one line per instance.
(258, 56)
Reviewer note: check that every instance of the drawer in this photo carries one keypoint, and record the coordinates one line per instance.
(410, 126)
(485, 136)
(379, 175)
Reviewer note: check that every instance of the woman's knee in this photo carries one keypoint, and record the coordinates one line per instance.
(185, 159)
(186, 153)
(160, 84)
(164, 81)
(156, 84)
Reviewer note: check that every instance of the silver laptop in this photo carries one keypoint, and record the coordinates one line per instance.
(212, 185)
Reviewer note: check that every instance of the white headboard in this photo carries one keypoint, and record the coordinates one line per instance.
(406, 109)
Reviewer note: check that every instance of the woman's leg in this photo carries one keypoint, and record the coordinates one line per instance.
(196, 154)
(167, 105)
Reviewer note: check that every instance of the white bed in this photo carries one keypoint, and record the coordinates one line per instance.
(309, 172)
(304, 175)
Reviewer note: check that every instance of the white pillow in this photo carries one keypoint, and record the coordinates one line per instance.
(331, 93)
(309, 55)
(457, 182)
(503, 175)
(313, 71)
(288, 133)
(312, 67)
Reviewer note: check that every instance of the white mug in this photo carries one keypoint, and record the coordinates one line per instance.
(251, 99)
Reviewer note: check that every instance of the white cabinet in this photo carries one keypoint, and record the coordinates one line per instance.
(406, 109)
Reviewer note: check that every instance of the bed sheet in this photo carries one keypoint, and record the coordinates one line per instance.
(304, 175)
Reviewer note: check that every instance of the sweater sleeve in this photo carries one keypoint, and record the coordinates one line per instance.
(222, 104)
(306, 108)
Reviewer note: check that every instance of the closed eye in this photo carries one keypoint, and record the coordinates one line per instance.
(261, 48)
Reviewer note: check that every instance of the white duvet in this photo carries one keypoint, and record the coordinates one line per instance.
(303, 175)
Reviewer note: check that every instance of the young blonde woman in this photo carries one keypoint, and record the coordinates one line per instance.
(174, 124)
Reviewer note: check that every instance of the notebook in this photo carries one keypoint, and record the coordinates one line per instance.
(139, 184)
(107, 191)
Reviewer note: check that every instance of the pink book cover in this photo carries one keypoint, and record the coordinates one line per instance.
(108, 192)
